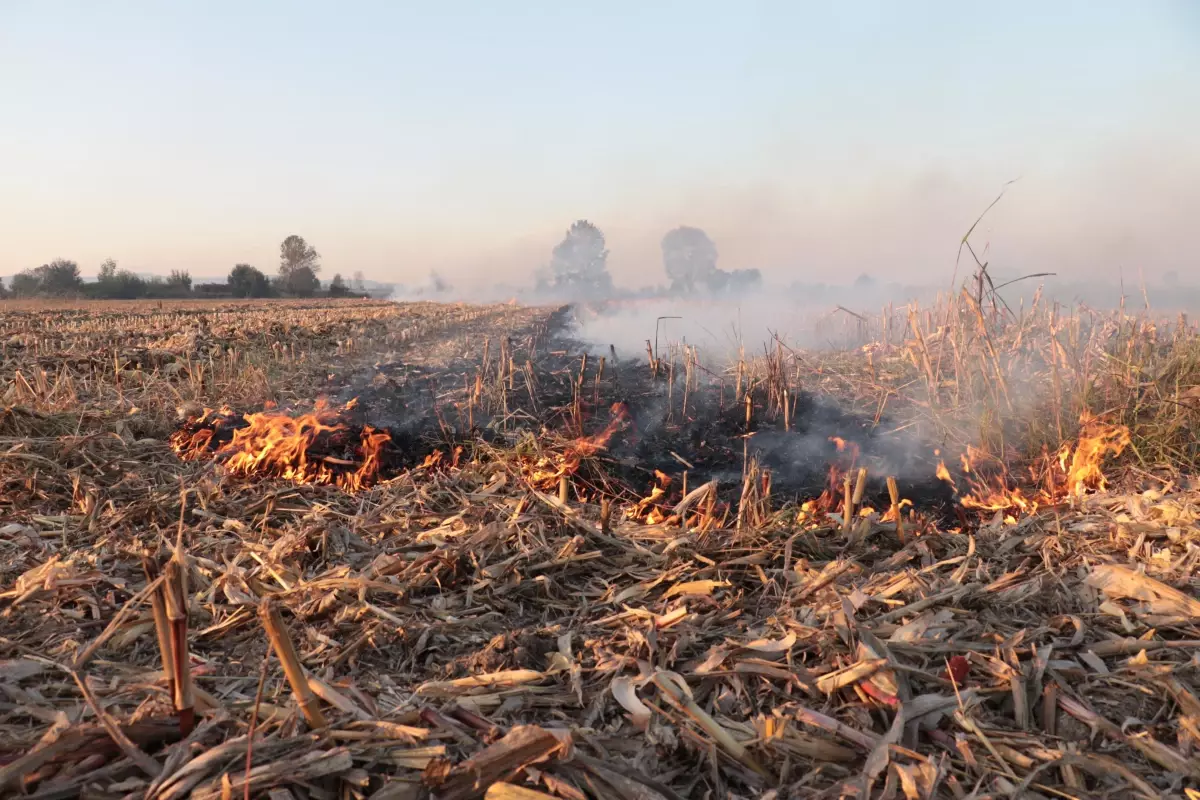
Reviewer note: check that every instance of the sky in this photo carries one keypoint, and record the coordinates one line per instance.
(814, 141)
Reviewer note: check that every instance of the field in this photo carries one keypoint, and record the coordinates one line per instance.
(350, 549)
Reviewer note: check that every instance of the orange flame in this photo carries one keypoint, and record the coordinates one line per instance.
(944, 474)
(547, 471)
(843, 446)
(1073, 471)
(1096, 441)
(590, 445)
(280, 446)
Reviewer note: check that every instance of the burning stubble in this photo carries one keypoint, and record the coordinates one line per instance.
(540, 521)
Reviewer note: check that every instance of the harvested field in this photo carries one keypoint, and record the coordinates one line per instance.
(352, 549)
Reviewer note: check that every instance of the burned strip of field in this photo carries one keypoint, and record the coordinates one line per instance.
(475, 384)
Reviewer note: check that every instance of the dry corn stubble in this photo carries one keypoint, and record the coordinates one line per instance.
(450, 623)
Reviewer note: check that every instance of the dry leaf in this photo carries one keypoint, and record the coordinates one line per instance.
(694, 587)
(715, 658)
(878, 759)
(624, 691)
(1158, 598)
(18, 669)
(772, 645)
(508, 791)
(838, 679)
(494, 680)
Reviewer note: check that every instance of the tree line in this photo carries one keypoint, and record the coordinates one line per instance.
(578, 267)
(299, 264)
(579, 264)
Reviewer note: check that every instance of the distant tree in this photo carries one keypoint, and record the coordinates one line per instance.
(580, 261)
(180, 279)
(296, 254)
(118, 284)
(59, 278)
(864, 281)
(1171, 278)
(337, 287)
(131, 286)
(689, 258)
(437, 283)
(301, 282)
(221, 289)
(3, 289)
(359, 284)
(121, 285)
(741, 280)
(26, 283)
(155, 286)
(246, 281)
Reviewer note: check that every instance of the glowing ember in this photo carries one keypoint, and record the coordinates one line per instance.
(276, 445)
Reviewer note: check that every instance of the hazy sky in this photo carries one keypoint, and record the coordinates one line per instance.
(810, 140)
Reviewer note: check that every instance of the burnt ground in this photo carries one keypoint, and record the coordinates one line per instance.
(713, 441)
(420, 397)
(710, 442)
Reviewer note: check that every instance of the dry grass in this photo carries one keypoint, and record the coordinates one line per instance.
(517, 622)
(1013, 381)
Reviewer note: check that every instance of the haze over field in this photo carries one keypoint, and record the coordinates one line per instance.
(813, 142)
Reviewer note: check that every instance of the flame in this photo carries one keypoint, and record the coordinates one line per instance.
(1001, 498)
(590, 445)
(1071, 472)
(545, 473)
(843, 446)
(944, 474)
(1096, 441)
(437, 460)
(274, 444)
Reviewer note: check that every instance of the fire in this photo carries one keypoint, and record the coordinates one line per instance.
(274, 444)
(1096, 441)
(985, 498)
(1072, 472)
(845, 447)
(547, 471)
(590, 445)
(944, 474)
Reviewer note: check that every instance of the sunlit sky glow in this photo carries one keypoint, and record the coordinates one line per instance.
(810, 140)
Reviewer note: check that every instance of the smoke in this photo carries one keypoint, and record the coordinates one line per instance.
(828, 255)
(718, 328)
(1119, 216)
(1120, 210)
